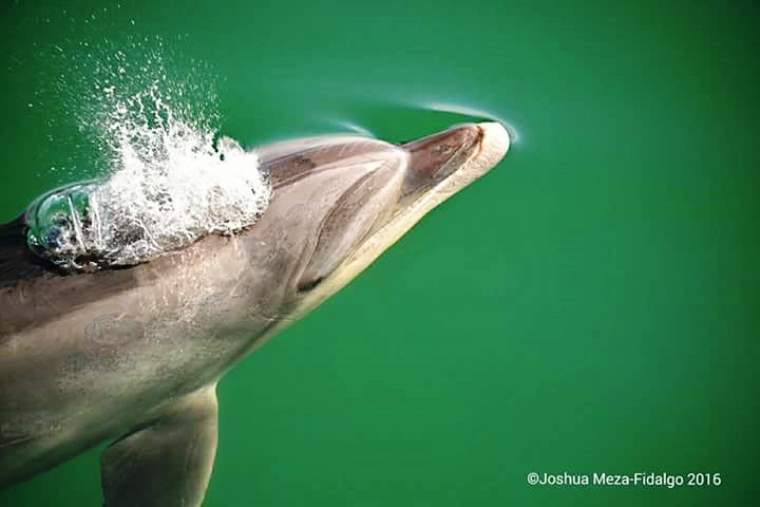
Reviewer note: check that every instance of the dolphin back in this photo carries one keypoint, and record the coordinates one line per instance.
(17, 261)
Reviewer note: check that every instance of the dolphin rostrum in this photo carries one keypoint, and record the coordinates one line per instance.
(134, 354)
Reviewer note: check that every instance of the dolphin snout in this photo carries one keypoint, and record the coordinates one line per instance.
(471, 149)
(494, 144)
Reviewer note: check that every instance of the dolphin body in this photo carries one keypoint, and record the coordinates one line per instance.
(135, 354)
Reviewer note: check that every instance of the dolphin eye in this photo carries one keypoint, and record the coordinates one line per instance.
(306, 286)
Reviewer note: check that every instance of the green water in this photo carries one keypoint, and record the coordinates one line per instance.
(590, 306)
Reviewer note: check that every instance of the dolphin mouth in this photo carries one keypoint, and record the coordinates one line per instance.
(492, 144)
(489, 145)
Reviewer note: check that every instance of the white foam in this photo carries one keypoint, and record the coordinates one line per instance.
(167, 185)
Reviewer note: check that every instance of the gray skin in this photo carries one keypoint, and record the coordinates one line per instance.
(135, 354)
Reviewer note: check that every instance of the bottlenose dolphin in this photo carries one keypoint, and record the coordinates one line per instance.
(134, 355)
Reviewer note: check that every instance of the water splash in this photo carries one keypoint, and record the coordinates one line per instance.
(167, 184)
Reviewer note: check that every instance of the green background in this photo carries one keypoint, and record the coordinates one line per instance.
(590, 306)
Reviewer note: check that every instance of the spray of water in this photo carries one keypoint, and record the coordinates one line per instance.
(167, 184)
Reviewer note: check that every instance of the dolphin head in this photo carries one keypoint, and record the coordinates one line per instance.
(338, 202)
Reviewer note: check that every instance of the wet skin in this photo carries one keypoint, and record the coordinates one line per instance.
(126, 353)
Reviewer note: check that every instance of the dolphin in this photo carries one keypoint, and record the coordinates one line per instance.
(133, 355)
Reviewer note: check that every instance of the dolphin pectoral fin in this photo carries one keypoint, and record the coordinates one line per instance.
(167, 463)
